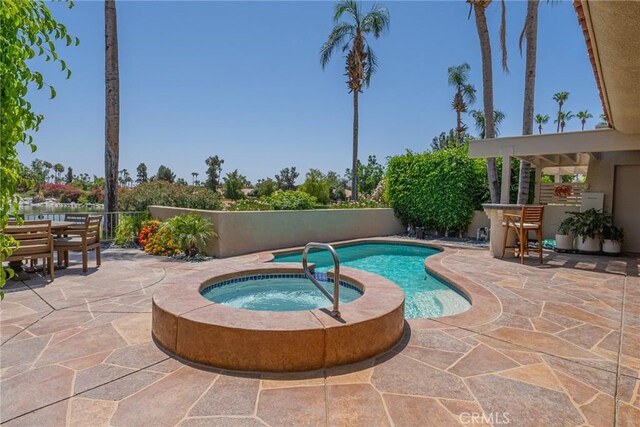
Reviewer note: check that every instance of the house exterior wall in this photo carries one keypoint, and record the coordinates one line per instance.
(601, 175)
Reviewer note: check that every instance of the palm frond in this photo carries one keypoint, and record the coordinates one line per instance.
(347, 6)
(335, 40)
(459, 74)
(376, 21)
(469, 93)
(371, 65)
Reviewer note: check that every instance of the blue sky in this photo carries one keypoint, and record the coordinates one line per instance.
(242, 80)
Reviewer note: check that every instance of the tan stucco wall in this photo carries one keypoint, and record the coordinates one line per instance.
(245, 232)
(553, 216)
(601, 175)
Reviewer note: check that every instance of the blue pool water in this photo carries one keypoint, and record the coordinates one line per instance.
(277, 292)
(403, 264)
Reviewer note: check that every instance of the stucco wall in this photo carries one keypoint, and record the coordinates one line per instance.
(245, 232)
(553, 215)
(601, 175)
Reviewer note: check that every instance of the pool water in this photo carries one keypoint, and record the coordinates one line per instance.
(403, 264)
(282, 292)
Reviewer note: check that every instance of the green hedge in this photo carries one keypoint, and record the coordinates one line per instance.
(438, 190)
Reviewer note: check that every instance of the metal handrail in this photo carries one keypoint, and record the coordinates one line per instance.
(335, 298)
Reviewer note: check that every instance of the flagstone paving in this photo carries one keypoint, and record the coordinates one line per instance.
(557, 344)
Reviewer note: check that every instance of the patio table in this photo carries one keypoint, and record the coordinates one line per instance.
(57, 229)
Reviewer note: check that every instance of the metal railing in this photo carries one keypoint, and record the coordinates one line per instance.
(110, 220)
(335, 298)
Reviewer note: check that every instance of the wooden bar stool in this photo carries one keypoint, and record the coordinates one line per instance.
(529, 219)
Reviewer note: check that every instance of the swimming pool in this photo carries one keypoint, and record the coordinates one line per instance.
(277, 292)
(403, 264)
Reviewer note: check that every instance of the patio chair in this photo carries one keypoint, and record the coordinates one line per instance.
(76, 218)
(80, 238)
(34, 242)
(529, 219)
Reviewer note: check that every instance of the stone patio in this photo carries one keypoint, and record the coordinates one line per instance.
(556, 345)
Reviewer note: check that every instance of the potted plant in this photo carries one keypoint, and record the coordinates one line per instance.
(612, 238)
(588, 228)
(564, 237)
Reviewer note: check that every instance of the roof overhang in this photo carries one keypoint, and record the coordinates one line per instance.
(612, 34)
(565, 150)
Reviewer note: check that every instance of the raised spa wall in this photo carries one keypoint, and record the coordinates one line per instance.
(193, 328)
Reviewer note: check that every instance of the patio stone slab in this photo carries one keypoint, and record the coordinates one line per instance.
(228, 396)
(34, 389)
(182, 388)
(553, 348)
(538, 406)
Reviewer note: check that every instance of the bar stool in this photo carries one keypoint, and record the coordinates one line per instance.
(529, 219)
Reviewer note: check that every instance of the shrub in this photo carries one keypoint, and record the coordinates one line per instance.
(129, 227)
(316, 185)
(162, 242)
(189, 232)
(96, 195)
(438, 190)
(290, 200)
(167, 194)
(63, 193)
(148, 229)
(359, 204)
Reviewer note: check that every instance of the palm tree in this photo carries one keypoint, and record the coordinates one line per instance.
(479, 7)
(563, 118)
(541, 120)
(478, 117)
(530, 35)
(361, 62)
(560, 98)
(465, 95)
(58, 168)
(583, 116)
(112, 111)
(194, 175)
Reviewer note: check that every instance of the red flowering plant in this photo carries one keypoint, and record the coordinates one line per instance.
(149, 228)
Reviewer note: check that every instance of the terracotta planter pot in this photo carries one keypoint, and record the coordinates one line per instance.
(564, 242)
(611, 247)
(588, 244)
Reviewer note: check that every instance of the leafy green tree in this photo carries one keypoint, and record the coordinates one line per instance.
(264, 187)
(141, 171)
(286, 180)
(182, 181)
(69, 177)
(233, 185)
(464, 96)
(316, 185)
(560, 98)
(583, 116)
(370, 175)
(214, 169)
(165, 174)
(361, 62)
(541, 120)
(337, 186)
(27, 30)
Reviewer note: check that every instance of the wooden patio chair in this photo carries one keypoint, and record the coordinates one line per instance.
(34, 242)
(80, 238)
(529, 219)
(76, 218)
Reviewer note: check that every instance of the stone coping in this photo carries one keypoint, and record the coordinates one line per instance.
(188, 325)
(485, 306)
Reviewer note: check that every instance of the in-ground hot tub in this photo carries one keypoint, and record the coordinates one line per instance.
(300, 338)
